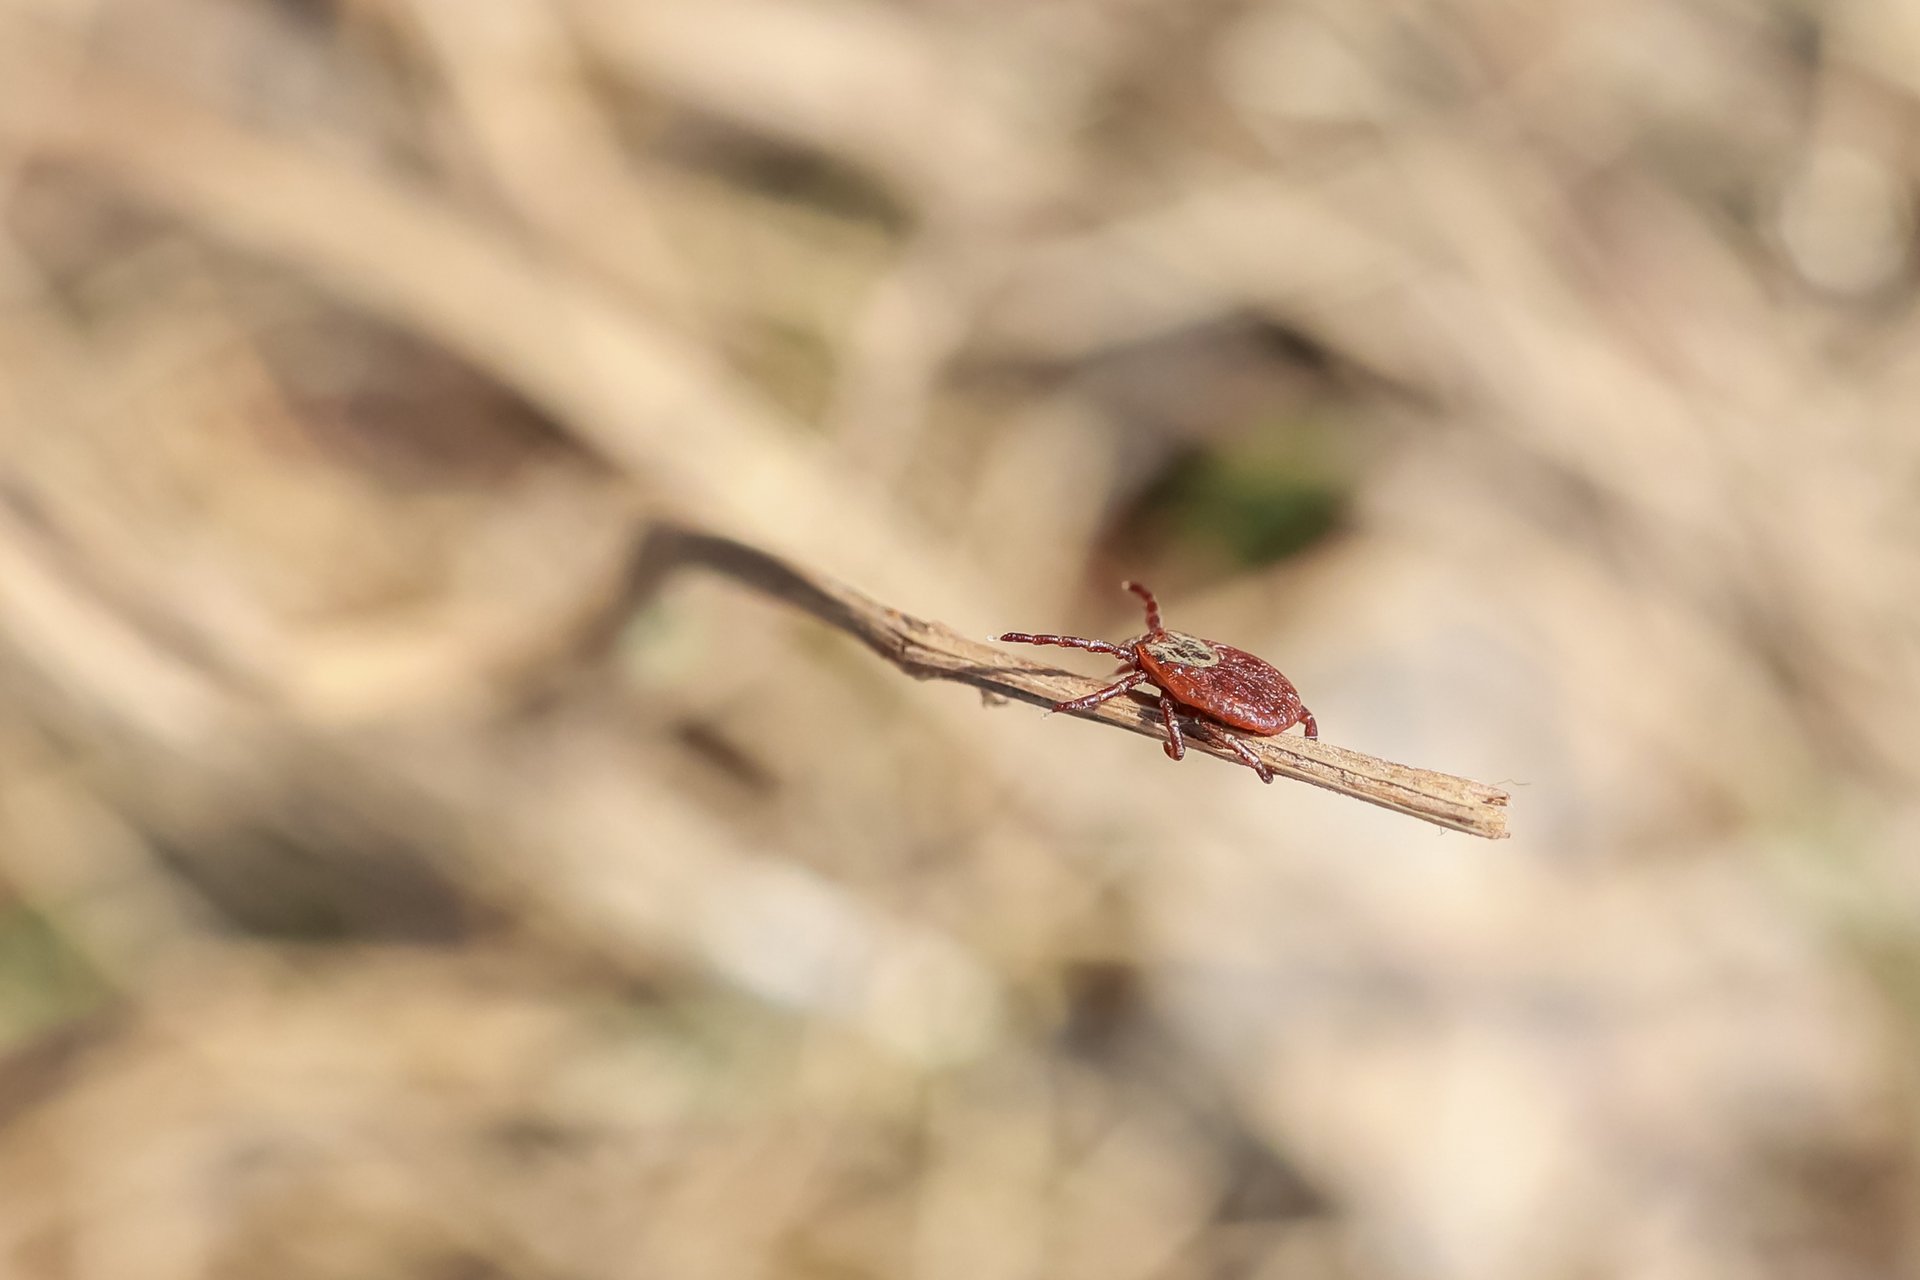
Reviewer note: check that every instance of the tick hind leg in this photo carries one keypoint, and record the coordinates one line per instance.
(1099, 696)
(1247, 757)
(1176, 747)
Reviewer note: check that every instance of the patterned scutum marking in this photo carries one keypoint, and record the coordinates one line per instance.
(1176, 647)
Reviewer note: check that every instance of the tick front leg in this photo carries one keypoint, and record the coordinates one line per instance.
(1247, 757)
(1306, 718)
(1067, 642)
(1176, 747)
(1099, 696)
(1146, 598)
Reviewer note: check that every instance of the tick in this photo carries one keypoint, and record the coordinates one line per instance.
(1217, 686)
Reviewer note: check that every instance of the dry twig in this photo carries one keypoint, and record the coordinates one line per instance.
(934, 651)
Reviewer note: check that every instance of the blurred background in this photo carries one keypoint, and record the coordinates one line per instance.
(395, 883)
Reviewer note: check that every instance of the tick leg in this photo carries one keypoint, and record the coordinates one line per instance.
(1306, 718)
(1068, 642)
(1176, 747)
(1153, 606)
(1099, 696)
(1239, 748)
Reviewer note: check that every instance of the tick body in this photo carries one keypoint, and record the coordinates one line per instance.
(1215, 686)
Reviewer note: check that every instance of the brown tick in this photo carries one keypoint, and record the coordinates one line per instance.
(1218, 686)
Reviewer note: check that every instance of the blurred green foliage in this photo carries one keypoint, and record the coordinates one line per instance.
(43, 980)
(1251, 501)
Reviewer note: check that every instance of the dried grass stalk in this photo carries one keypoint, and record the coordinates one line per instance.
(934, 651)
